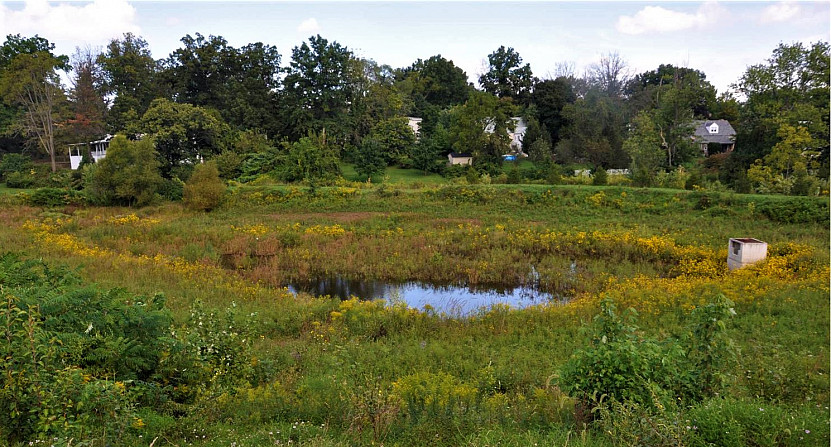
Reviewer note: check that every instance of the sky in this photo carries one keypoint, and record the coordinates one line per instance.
(720, 38)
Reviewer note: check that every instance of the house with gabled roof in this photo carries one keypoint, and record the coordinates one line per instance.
(714, 131)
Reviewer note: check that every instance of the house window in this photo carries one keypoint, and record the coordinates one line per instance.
(713, 128)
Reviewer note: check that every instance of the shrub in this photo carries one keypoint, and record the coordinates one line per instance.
(600, 177)
(11, 163)
(369, 161)
(229, 165)
(129, 175)
(797, 210)
(618, 364)
(204, 189)
(172, 189)
(311, 159)
(621, 365)
(20, 180)
(54, 197)
(514, 176)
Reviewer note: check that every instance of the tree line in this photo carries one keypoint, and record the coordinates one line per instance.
(256, 114)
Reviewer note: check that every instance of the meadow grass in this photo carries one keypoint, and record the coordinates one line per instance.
(331, 372)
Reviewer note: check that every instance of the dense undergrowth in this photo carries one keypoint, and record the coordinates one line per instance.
(94, 352)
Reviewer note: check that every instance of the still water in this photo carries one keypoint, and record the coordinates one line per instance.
(452, 300)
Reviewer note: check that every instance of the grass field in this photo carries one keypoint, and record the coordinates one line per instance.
(319, 371)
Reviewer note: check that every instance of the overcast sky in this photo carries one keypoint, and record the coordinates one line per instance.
(719, 38)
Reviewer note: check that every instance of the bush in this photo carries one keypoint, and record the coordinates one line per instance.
(369, 160)
(229, 165)
(618, 364)
(600, 177)
(11, 163)
(54, 197)
(797, 210)
(20, 180)
(128, 175)
(204, 189)
(621, 365)
(172, 189)
(310, 159)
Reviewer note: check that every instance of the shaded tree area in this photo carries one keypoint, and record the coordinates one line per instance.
(131, 78)
(209, 99)
(240, 83)
(31, 90)
(786, 101)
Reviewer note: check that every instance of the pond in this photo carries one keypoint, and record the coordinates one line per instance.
(454, 300)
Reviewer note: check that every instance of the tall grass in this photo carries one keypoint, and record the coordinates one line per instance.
(331, 372)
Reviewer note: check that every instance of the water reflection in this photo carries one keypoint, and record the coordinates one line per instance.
(450, 299)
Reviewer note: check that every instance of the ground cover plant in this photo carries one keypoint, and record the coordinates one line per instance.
(170, 326)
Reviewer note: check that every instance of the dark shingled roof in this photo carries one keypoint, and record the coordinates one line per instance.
(462, 155)
(726, 134)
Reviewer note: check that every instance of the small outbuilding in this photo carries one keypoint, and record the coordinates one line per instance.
(457, 158)
(745, 251)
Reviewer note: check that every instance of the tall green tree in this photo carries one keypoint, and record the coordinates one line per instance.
(644, 147)
(507, 77)
(374, 97)
(791, 87)
(183, 134)
(86, 97)
(480, 126)
(549, 98)
(595, 131)
(29, 82)
(317, 90)
(239, 83)
(395, 139)
(131, 77)
(433, 84)
(369, 159)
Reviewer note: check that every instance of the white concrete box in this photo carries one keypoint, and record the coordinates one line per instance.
(745, 251)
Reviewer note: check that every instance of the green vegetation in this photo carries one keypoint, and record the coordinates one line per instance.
(168, 322)
(227, 355)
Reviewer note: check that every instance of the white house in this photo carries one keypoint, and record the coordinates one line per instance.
(520, 126)
(415, 124)
(98, 150)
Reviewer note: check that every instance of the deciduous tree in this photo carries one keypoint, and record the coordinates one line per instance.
(183, 133)
(130, 74)
(29, 81)
(507, 77)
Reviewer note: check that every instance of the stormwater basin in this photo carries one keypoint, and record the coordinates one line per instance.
(453, 300)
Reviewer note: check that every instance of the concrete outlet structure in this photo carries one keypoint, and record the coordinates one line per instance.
(745, 251)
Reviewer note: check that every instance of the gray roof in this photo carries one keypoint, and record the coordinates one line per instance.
(726, 134)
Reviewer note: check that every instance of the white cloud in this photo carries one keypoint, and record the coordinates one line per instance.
(309, 26)
(97, 21)
(656, 19)
(780, 12)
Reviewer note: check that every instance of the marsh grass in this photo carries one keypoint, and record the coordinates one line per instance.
(333, 364)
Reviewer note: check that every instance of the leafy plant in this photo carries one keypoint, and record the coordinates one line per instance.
(204, 190)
